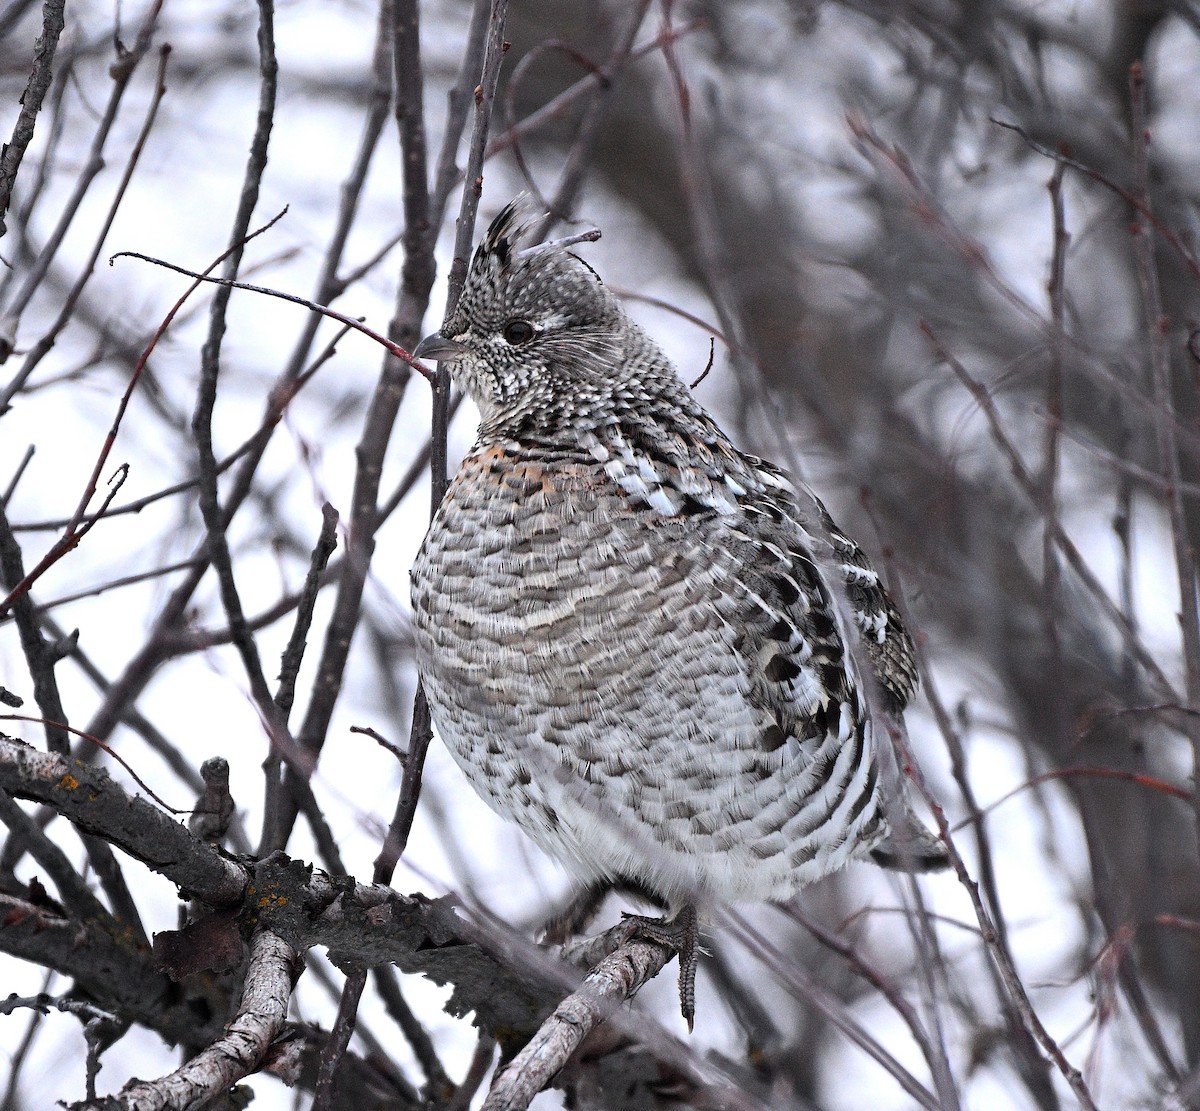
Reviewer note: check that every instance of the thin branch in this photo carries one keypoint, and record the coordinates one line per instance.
(40, 657)
(556, 107)
(396, 839)
(293, 656)
(578, 159)
(323, 310)
(481, 1061)
(11, 488)
(934, 1058)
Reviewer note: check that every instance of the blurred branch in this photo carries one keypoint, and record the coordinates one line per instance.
(1158, 328)
(1028, 485)
(805, 986)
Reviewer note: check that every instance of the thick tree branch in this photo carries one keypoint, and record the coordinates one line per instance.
(614, 980)
(120, 976)
(270, 976)
(31, 101)
(89, 798)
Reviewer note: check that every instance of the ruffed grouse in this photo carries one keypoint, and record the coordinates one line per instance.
(631, 633)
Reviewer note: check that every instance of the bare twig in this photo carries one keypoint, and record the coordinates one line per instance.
(1051, 571)
(571, 179)
(103, 747)
(889, 990)
(11, 488)
(556, 107)
(293, 656)
(323, 310)
(459, 101)
(40, 658)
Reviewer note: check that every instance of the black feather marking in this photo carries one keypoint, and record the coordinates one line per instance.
(773, 738)
(783, 630)
(867, 793)
(780, 669)
(788, 591)
(505, 231)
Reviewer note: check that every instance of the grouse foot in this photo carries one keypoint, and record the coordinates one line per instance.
(682, 933)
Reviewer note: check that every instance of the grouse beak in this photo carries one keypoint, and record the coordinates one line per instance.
(438, 347)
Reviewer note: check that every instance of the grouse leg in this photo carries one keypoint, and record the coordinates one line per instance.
(574, 918)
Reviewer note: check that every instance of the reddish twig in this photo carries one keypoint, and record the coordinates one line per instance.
(1135, 200)
(323, 310)
(1148, 781)
(103, 747)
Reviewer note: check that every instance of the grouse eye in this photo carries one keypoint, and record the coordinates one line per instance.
(517, 332)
